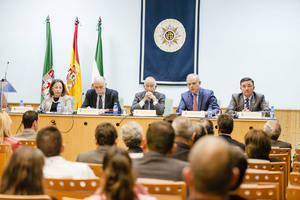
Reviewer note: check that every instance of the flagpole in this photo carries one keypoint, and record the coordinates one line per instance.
(76, 21)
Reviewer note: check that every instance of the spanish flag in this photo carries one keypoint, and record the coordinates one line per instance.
(74, 76)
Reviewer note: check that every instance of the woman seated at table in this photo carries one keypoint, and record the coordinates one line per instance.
(57, 93)
(5, 124)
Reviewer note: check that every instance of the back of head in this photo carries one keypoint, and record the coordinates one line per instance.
(49, 141)
(23, 174)
(106, 134)
(209, 126)
(212, 173)
(160, 137)
(118, 181)
(183, 127)
(200, 131)
(273, 129)
(225, 123)
(132, 134)
(29, 117)
(170, 118)
(5, 124)
(257, 144)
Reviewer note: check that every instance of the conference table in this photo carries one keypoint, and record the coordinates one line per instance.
(78, 130)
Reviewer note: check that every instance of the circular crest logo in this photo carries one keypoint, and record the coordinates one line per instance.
(169, 35)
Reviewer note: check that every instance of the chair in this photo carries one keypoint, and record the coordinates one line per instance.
(296, 167)
(282, 151)
(28, 143)
(258, 191)
(295, 178)
(292, 192)
(79, 188)
(5, 152)
(24, 197)
(168, 190)
(284, 158)
(97, 168)
(168, 106)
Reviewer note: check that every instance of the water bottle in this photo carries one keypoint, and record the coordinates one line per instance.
(209, 114)
(58, 108)
(115, 109)
(272, 113)
(21, 103)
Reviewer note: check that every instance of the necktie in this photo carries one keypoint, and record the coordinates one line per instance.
(148, 102)
(195, 104)
(247, 103)
(100, 104)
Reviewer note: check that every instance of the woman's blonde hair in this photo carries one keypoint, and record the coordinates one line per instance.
(5, 124)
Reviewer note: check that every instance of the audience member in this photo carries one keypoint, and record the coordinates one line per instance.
(132, 135)
(155, 163)
(273, 129)
(30, 120)
(118, 180)
(200, 131)
(209, 126)
(49, 141)
(169, 118)
(105, 136)
(184, 137)
(210, 176)
(5, 137)
(225, 127)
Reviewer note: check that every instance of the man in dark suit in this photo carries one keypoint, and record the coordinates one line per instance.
(273, 129)
(225, 127)
(197, 98)
(156, 164)
(101, 97)
(149, 99)
(106, 136)
(247, 100)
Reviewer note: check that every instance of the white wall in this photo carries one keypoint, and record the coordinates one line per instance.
(258, 38)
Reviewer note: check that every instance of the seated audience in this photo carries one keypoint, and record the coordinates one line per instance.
(184, 137)
(49, 141)
(156, 164)
(30, 121)
(23, 174)
(210, 176)
(258, 146)
(118, 180)
(169, 118)
(105, 136)
(57, 93)
(200, 131)
(225, 127)
(209, 126)
(132, 135)
(5, 137)
(273, 129)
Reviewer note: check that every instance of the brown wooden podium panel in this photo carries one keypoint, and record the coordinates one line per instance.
(78, 130)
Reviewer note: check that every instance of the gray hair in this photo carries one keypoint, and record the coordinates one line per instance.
(183, 127)
(132, 134)
(99, 78)
(150, 78)
(193, 76)
(273, 129)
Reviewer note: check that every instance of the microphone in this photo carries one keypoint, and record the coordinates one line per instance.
(6, 70)
(118, 123)
(53, 122)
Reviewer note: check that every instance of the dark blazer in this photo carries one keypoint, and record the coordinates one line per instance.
(257, 103)
(157, 166)
(232, 141)
(94, 156)
(206, 101)
(159, 107)
(280, 144)
(111, 96)
(182, 152)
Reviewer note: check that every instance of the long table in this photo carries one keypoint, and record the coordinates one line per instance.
(78, 131)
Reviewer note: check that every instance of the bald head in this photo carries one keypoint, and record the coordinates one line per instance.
(99, 85)
(273, 129)
(150, 84)
(193, 83)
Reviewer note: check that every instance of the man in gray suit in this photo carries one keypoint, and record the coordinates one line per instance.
(30, 121)
(273, 129)
(247, 100)
(106, 136)
(149, 99)
(156, 164)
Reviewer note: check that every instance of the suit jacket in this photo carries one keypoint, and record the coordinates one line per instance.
(159, 107)
(182, 152)
(94, 156)
(157, 166)
(66, 104)
(257, 103)
(111, 96)
(232, 141)
(26, 134)
(206, 101)
(280, 144)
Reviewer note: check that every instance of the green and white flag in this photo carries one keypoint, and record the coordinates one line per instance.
(98, 64)
(48, 72)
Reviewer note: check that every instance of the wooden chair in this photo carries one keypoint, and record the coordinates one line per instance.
(296, 167)
(258, 191)
(284, 157)
(24, 197)
(169, 190)
(292, 192)
(5, 152)
(97, 168)
(266, 177)
(71, 188)
(28, 143)
(295, 178)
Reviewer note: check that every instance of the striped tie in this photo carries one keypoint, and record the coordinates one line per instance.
(247, 103)
(195, 104)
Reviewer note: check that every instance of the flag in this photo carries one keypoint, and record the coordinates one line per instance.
(169, 40)
(74, 76)
(48, 72)
(98, 64)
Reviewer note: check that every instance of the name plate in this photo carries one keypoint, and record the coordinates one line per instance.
(200, 114)
(250, 115)
(147, 113)
(89, 111)
(20, 109)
